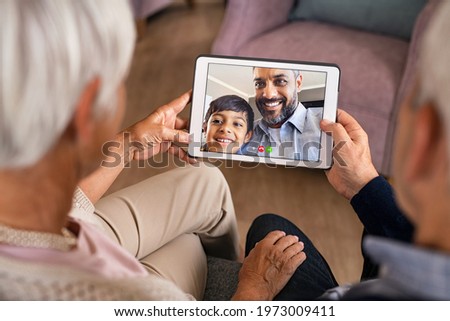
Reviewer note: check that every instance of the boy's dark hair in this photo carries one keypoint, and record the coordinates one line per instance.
(233, 103)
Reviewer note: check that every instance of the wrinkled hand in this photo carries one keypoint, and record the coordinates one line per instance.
(352, 168)
(157, 132)
(269, 266)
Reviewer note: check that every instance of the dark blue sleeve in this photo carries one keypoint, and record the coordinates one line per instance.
(376, 208)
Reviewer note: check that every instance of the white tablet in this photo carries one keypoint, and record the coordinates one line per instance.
(259, 110)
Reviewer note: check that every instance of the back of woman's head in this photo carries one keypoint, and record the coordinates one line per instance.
(50, 50)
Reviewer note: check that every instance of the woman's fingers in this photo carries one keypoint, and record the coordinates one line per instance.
(181, 154)
(167, 134)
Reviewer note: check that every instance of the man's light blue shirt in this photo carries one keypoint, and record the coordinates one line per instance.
(406, 270)
(300, 136)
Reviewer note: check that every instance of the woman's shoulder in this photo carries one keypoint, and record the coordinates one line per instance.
(20, 280)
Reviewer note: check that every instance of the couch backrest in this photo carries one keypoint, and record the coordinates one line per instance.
(390, 17)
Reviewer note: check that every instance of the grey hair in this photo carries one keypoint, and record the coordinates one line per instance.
(50, 51)
(434, 64)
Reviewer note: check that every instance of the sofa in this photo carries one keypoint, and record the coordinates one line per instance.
(142, 9)
(376, 67)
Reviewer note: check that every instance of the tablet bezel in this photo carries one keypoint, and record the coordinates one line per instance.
(198, 100)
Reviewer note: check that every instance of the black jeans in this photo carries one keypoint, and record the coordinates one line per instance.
(312, 278)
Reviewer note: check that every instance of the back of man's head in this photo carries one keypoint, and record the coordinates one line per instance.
(434, 64)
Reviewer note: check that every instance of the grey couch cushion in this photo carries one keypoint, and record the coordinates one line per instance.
(390, 17)
(222, 279)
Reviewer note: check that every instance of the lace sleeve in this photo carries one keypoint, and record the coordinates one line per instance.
(83, 209)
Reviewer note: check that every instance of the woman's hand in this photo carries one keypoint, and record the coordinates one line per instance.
(154, 134)
(352, 168)
(157, 132)
(269, 266)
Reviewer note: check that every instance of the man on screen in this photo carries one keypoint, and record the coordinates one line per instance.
(287, 129)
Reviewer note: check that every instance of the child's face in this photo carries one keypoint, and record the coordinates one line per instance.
(227, 131)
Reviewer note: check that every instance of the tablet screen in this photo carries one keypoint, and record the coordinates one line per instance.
(266, 112)
(263, 111)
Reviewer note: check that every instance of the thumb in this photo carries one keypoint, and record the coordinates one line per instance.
(337, 131)
(178, 104)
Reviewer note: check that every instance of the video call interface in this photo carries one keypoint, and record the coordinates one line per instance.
(264, 112)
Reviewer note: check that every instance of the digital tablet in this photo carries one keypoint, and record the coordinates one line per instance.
(259, 110)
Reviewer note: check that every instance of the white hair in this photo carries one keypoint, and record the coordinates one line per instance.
(50, 50)
(434, 64)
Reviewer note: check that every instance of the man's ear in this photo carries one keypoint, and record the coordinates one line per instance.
(428, 143)
(248, 136)
(83, 119)
(298, 81)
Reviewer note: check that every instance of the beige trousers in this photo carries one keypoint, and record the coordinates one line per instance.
(171, 221)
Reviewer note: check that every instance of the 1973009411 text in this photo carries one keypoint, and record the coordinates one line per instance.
(300, 311)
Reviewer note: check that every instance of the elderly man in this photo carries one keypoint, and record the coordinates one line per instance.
(411, 245)
(287, 129)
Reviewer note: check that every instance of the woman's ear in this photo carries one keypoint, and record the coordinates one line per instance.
(83, 121)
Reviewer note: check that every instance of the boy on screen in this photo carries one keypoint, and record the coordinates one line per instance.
(228, 124)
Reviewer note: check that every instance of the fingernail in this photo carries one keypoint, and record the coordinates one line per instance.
(325, 122)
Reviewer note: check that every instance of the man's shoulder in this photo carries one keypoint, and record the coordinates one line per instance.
(378, 290)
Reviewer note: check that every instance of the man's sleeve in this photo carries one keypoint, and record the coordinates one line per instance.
(378, 211)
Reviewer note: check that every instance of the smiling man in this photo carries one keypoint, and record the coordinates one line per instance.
(287, 129)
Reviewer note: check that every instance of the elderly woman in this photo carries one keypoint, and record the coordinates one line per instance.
(62, 96)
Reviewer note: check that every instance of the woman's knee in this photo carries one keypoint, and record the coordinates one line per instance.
(208, 174)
